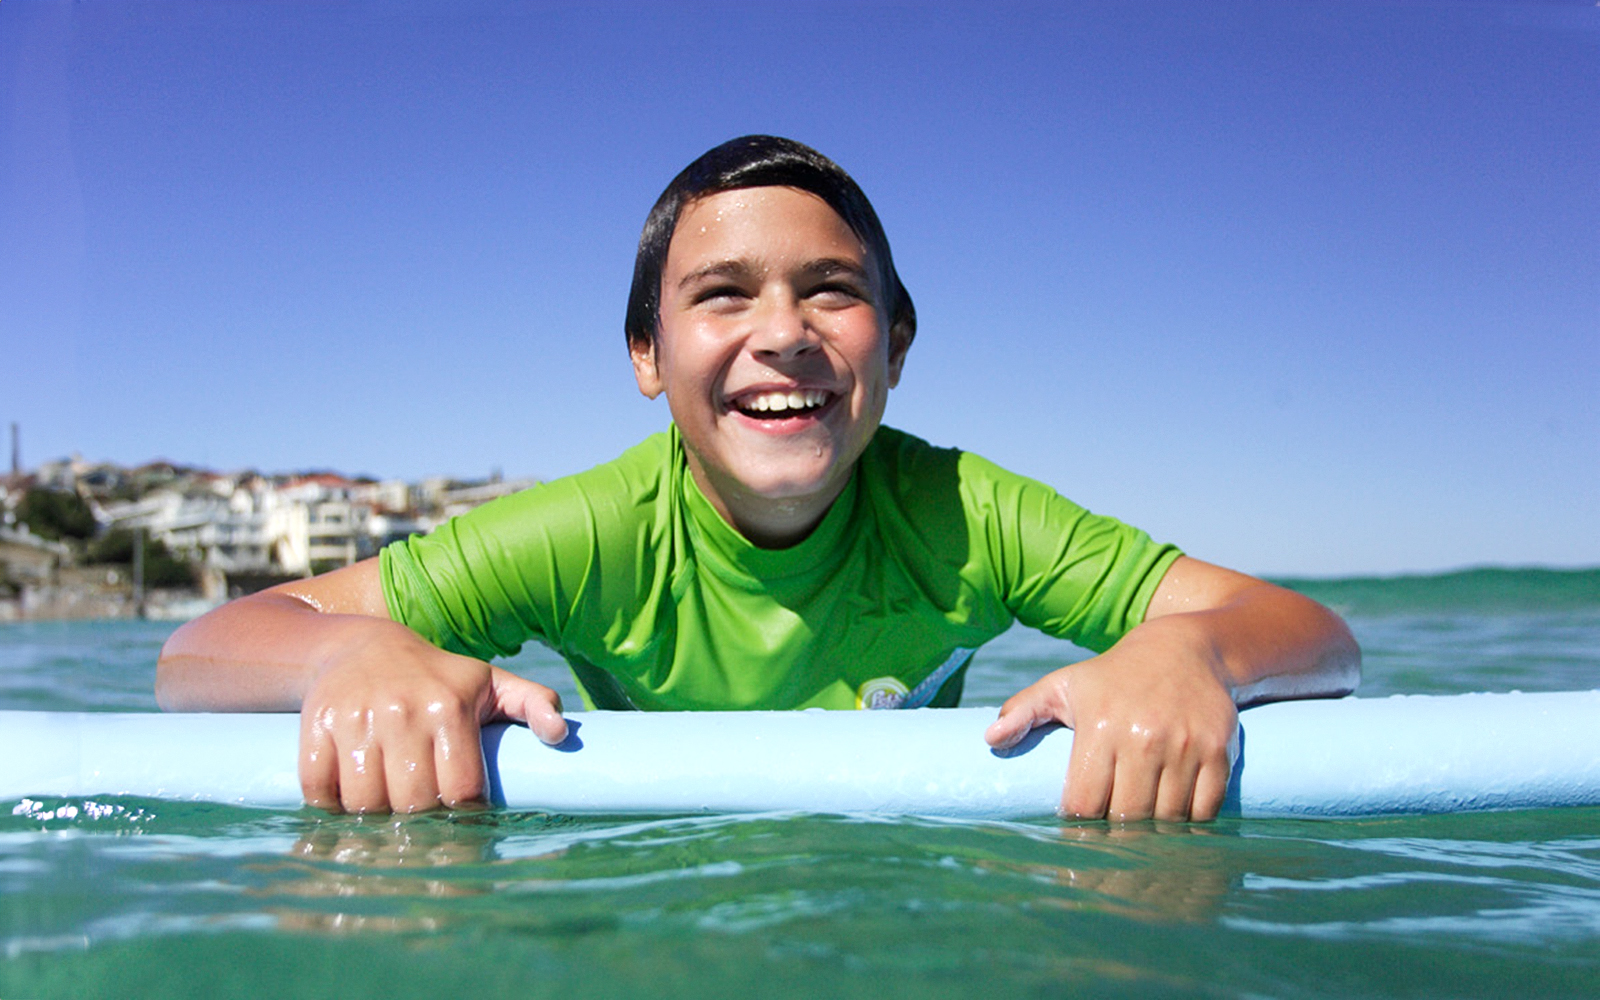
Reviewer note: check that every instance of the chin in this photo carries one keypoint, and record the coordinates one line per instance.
(788, 487)
(794, 478)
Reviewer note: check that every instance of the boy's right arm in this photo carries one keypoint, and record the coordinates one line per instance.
(388, 722)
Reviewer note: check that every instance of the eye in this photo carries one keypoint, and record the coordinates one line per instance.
(839, 293)
(719, 295)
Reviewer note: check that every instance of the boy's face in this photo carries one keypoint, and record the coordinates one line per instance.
(774, 354)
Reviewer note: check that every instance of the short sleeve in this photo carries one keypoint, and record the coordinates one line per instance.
(559, 557)
(1072, 574)
(483, 583)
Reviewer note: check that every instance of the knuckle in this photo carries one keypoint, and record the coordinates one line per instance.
(400, 713)
(1054, 690)
(1216, 752)
(450, 706)
(1145, 740)
(354, 719)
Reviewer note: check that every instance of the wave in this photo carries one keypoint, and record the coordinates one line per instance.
(1471, 591)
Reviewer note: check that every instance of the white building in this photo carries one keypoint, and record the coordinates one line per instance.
(241, 533)
(248, 525)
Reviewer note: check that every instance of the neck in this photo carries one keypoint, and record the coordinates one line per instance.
(763, 521)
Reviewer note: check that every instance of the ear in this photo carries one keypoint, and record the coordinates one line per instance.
(899, 345)
(643, 354)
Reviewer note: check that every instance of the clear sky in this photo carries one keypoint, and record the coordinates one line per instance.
(1304, 287)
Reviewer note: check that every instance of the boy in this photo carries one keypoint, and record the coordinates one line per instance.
(776, 548)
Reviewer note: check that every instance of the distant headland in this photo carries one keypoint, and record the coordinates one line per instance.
(85, 539)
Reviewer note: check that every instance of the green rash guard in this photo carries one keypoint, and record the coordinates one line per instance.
(657, 603)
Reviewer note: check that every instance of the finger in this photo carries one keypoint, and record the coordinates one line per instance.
(541, 710)
(1009, 729)
(1207, 777)
(1175, 791)
(544, 717)
(522, 700)
(1133, 788)
(1089, 778)
(1211, 789)
(1031, 707)
(319, 767)
(458, 762)
(411, 776)
(363, 783)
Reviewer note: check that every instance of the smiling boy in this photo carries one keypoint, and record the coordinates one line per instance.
(776, 548)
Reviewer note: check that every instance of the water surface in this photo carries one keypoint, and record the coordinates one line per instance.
(136, 897)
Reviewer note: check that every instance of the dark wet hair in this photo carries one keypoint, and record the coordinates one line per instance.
(761, 161)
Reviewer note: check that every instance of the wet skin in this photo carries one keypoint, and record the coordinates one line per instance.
(776, 360)
(766, 292)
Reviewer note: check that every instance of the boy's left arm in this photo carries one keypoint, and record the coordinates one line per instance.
(1155, 717)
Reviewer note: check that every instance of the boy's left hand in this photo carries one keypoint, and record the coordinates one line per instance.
(1155, 728)
(1155, 719)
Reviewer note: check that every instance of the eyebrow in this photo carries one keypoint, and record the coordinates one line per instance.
(718, 269)
(828, 266)
(822, 267)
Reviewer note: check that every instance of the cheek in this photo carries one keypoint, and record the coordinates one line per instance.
(870, 355)
(691, 380)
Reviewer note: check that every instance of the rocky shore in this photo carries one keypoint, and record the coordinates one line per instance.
(100, 592)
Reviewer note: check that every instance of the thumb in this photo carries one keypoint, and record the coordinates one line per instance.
(1039, 704)
(521, 700)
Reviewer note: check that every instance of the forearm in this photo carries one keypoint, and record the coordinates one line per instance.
(1266, 643)
(260, 653)
(263, 653)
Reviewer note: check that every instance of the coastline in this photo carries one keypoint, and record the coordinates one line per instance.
(82, 593)
(110, 599)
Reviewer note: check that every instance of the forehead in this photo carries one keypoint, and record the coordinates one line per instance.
(760, 225)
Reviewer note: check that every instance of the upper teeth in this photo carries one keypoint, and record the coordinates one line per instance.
(795, 400)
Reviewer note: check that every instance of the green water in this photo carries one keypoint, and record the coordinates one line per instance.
(128, 897)
(1473, 591)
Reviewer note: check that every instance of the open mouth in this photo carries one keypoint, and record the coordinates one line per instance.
(780, 405)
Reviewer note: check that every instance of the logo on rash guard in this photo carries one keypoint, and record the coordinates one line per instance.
(891, 692)
(882, 692)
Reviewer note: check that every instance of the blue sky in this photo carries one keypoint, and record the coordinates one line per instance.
(1304, 287)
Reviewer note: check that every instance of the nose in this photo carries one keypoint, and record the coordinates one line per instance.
(782, 331)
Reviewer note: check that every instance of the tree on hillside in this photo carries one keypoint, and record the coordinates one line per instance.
(56, 514)
(161, 567)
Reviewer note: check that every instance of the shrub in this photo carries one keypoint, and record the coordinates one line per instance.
(161, 567)
(56, 514)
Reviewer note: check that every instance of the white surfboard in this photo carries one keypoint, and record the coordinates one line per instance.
(1350, 757)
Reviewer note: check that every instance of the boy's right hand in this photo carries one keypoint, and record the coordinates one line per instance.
(388, 723)
(395, 726)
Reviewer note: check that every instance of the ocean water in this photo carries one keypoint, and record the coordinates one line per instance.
(135, 897)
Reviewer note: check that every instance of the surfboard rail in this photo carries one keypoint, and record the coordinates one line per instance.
(1339, 758)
